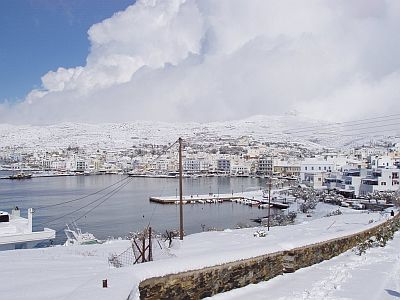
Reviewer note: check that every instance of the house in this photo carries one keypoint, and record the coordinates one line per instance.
(284, 168)
(377, 161)
(380, 180)
(315, 166)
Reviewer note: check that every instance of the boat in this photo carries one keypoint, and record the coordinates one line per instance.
(16, 232)
(20, 175)
(262, 206)
(76, 237)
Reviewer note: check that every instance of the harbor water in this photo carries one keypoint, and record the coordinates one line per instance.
(115, 215)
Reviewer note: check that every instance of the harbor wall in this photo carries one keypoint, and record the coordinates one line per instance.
(198, 284)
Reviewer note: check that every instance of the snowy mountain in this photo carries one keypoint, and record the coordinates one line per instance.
(287, 128)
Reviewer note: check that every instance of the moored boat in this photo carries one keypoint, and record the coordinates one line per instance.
(20, 175)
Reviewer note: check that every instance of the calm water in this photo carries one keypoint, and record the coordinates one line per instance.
(129, 209)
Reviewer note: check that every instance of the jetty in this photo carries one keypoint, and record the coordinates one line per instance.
(201, 199)
(246, 199)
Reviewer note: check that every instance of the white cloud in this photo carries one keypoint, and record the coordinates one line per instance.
(208, 60)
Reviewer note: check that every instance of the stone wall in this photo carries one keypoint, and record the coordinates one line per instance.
(212, 280)
(209, 281)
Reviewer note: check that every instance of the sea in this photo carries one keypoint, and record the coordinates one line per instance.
(99, 204)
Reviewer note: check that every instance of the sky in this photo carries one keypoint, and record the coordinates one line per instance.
(199, 60)
(42, 35)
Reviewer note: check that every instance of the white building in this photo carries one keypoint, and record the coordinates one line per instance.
(312, 166)
(191, 166)
(240, 170)
(380, 162)
(380, 180)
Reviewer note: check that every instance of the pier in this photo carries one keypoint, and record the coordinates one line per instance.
(215, 198)
(196, 199)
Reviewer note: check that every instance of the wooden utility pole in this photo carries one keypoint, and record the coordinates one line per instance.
(150, 258)
(269, 199)
(180, 192)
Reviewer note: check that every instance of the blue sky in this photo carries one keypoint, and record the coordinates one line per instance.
(41, 35)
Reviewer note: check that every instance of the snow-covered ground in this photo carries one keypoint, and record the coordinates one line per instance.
(373, 276)
(77, 272)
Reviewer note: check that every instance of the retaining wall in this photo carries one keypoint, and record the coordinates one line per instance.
(209, 281)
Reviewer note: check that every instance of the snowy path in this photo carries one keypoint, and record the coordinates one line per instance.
(373, 276)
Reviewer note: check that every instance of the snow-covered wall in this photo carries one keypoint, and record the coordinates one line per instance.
(198, 284)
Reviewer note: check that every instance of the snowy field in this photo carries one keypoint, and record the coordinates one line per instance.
(77, 272)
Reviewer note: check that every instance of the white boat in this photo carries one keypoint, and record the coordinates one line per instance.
(262, 206)
(16, 232)
(76, 237)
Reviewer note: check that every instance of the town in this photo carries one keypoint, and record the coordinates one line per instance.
(353, 171)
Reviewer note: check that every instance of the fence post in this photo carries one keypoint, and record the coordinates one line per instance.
(144, 247)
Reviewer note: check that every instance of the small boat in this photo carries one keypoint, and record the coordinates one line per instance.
(179, 202)
(76, 237)
(20, 175)
(262, 206)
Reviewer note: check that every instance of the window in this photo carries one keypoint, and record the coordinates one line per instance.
(383, 183)
(305, 168)
(312, 168)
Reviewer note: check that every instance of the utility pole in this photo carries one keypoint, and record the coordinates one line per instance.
(269, 199)
(180, 192)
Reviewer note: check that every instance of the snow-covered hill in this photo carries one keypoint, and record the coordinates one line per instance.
(292, 128)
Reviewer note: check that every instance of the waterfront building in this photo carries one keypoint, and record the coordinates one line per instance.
(223, 165)
(265, 166)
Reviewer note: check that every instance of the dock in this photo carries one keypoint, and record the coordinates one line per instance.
(215, 198)
(196, 199)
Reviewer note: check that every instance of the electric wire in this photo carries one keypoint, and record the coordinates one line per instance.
(83, 197)
(82, 207)
(104, 197)
(340, 131)
(350, 123)
(100, 203)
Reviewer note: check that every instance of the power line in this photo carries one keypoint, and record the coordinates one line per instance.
(86, 205)
(99, 191)
(345, 125)
(104, 197)
(83, 197)
(336, 131)
(298, 129)
(97, 205)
